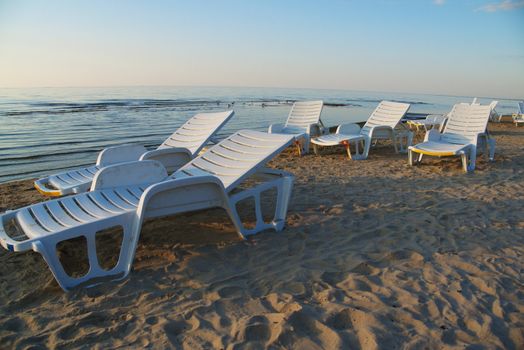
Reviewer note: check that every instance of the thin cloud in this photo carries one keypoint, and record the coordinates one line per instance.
(439, 2)
(506, 5)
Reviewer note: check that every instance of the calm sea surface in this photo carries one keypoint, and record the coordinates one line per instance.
(46, 130)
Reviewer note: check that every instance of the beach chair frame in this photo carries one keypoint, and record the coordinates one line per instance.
(304, 122)
(383, 123)
(466, 126)
(160, 198)
(179, 148)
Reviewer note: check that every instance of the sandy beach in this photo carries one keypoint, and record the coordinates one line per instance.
(375, 255)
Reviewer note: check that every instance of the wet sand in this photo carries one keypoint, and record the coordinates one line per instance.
(375, 255)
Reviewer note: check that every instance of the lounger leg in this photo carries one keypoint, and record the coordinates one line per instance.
(411, 156)
(367, 146)
(472, 158)
(299, 148)
(404, 140)
(393, 137)
(348, 149)
(95, 274)
(491, 147)
(409, 140)
(484, 144)
(284, 190)
(315, 149)
(464, 158)
(283, 184)
(305, 150)
(361, 150)
(485, 147)
(469, 159)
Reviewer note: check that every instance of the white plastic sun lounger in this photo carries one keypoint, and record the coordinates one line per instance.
(519, 117)
(494, 115)
(303, 122)
(430, 122)
(486, 142)
(466, 124)
(183, 145)
(123, 195)
(473, 103)
(381, 124)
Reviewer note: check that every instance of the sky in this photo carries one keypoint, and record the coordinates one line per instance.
(452, 47)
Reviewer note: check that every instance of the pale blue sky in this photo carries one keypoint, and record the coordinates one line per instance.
(469, 47)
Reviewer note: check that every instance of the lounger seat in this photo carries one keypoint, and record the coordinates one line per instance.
(66, 213)
(439, 149)
(180, 147)
(337, 139)
(125, 194)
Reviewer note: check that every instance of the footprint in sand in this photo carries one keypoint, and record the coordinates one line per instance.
(230, 292)
(365, 269)
(257, 332)
(333, 278)
(341, 320)
(295, 247)
(152, 320)
(177, 327)
(14, 325)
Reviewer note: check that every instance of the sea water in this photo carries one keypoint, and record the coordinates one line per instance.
(46, 130)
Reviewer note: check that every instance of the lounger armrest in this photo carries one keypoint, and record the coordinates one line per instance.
(120, 154)
(379, 128)
(6, 241)
(171, 158)
(129, 174)
(181, 195)
(432, 135)
(314, 129)
(348, 129)
(276, 128)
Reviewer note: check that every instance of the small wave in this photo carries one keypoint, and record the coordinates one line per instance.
(411, 102)
(51, 107)
(46, 108)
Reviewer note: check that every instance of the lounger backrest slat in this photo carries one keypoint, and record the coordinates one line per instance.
(386, 114)
(236, 157)
(304, 113)
(197, 131)
(465, 122)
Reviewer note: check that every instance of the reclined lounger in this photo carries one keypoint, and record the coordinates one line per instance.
(182, 146)
(380, 125)
(466, 125)
(123, 195)
(304, 122)
(519, 117)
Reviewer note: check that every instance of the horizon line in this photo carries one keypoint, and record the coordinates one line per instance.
(252, 87)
